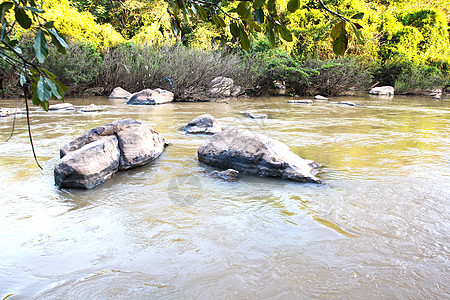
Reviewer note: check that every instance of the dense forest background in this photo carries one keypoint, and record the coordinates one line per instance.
(130, 43)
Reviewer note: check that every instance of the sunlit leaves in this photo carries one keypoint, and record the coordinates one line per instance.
(28, 15)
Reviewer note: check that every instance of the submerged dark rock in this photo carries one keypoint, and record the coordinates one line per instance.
(228, 175)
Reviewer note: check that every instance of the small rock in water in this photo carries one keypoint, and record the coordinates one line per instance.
(303, 101)
(346, 103)
(437, 97)
(228, 175)
(206, 124)
(320, 97)
(120, 93)
(6, 112)
(151, 97)
(61, 106)
(382, 90)
(90, 108)
(255, 115)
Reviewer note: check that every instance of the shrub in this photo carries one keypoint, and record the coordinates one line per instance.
(418, 78)
(136, 67)
(78, 69)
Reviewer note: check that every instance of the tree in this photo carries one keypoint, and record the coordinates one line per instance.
(40, 85)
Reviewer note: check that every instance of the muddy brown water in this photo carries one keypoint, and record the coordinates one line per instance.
(377, 228)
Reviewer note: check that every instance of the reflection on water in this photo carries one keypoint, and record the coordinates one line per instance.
(377, 228)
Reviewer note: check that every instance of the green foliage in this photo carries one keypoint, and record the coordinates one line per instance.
(25, 16)
(136, 67)
(418, 78)
(78, 68)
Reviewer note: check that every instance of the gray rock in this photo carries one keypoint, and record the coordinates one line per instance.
(235, 91)
(119, 93)
(382, 90)
(255, 115)
(151, 97)
(61, 106)
(220, 87)
(89, 165)
(254, 154)
(346, 103)
(6, 112)
(206, 124)
(137, 142)
(302, 101)
(90, 108)
(228, 175)
(319, 97)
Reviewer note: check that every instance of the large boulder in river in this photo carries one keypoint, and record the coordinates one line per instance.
(89, 165)
(151, 97)
(206, 124)
(382, 90)
(119, 93)
(255, 154)
(137, 143)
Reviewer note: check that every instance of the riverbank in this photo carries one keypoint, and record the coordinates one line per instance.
(87, 72)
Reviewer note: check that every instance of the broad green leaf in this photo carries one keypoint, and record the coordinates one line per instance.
(22, 18)
(40, 47)
(55, 91)
(4, 7)
(202, 13)
(13, 43)
(50, 24)
(285, 33)
(357, 25)
(358, 16)
(257, 4)
(243, 10)
(258, 14)
(254, 25)
(340, 43)
(234, 29)
(245, 42)
(271, 36)
(43, 89)
(219, 21)
(175, 26)
(337, 29)
(62, 89)
(271, 6)
(45, 105)
(58, 41)
(358, 34)
(293, 5)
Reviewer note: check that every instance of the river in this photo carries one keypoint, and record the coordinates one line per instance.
(378, 228)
